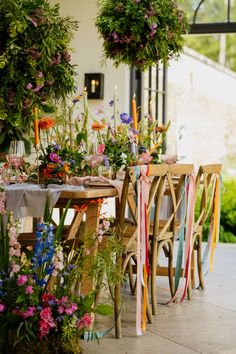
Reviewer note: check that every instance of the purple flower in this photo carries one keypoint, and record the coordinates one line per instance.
(56, 59)
(125, 118)
(115, 37)
(29, 86)
(38, 88)
(39, 74)
(134, 131)
(153, 29)
(111, 103)
(56, 147)
(32, 20)
(54, 157)
(106, 161)
(67, 57)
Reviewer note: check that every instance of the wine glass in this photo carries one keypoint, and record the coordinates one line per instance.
(16, 155)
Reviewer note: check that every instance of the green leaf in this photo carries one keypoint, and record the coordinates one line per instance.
(20, 298)
(81, 136)
(104, 309)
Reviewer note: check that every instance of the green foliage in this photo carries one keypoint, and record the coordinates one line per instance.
(35, 64)
(141, 33)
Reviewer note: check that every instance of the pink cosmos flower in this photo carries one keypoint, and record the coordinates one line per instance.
(29, 289)
(2, 307)
(22, 279)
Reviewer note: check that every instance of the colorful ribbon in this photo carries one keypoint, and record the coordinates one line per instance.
(213, 236)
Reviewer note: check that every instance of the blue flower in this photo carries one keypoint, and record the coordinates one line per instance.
(111, 103)
(125, 118)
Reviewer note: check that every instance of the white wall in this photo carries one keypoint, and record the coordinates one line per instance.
(88, 55)
(201, 103)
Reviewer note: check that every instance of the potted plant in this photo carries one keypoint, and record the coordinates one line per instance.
(35, 68)
(141, 32)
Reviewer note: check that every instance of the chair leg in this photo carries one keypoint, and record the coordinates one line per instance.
(148, 310)
(199, 263)
(153, 277)
(192, 270)
(170, 268)
(131, 277)
(189, 290)
(117, 311)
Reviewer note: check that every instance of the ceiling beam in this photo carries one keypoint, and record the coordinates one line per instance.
(205, 28)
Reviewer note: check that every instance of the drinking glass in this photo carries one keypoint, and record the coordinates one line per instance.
(16, 156)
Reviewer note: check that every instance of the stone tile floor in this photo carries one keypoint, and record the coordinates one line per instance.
(206, 324)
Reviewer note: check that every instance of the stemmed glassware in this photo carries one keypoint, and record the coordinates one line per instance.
(16, 156)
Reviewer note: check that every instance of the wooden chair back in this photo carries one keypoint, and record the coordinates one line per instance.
(129, 197)
(175, 188)
(205, 186)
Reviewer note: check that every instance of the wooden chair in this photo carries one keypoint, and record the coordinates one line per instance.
(163, 232)
(205, 187)
(127, 228)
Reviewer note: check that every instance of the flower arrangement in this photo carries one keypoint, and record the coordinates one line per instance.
(35, 67)
(141, 32)
(121, 145)
(41, 308)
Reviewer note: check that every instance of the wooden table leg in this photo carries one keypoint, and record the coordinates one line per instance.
(91, 226)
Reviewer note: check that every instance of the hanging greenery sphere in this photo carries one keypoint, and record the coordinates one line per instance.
(141, 33)
(35, 68)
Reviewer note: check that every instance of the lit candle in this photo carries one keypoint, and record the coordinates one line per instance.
(134, 113)
(36, 128)
(115, 107)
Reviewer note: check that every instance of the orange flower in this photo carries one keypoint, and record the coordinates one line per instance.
(98, 125)
(66, 168)
(161, 128)
(46, 123)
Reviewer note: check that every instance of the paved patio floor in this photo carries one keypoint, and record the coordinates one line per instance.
(206, 324)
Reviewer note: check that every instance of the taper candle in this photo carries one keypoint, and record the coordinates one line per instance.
(134, 113)
(36, 127)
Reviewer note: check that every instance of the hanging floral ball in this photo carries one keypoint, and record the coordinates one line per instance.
(141, 32)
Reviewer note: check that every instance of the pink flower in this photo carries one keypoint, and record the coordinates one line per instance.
(2, 307)
(101, 148)
(85, 321)
(29, 289)
(46, 322)
(145, 158)
(3, 199)
(60, 309)
(15, 268)
(22, 279)
(29, 312)
(71, 309)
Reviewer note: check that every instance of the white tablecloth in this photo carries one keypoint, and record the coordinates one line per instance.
(29, 199)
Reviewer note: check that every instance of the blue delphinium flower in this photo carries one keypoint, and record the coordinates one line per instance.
(43, 253)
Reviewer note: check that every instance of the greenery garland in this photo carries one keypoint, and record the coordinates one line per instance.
(35, 64)
(141, 32)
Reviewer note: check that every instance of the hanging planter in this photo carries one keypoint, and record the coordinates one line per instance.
(141, 33)
(35, 68)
